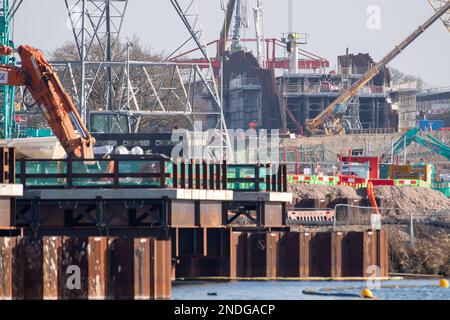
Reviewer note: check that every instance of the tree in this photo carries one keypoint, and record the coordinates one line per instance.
(399, 79)
(176, 86)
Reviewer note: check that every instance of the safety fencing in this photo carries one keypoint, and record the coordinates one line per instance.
(443, 187)
(145, 172)
(357, 182)
(340, 216)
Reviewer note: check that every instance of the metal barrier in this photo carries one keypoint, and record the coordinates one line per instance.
(310, 216)
(147, 172)
(372, 131)
(354, 215)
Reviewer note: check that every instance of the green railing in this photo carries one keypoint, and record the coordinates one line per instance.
(148, 172)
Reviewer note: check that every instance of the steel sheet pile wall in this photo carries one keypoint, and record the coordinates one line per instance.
(50, 267)
(272, 255)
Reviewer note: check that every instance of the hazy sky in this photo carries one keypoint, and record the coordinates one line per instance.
(332, 26)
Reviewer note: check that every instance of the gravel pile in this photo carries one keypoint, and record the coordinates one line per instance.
(404, 200)
(311, 191)
(407, 200)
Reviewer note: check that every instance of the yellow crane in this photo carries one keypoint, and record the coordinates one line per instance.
(329, 120)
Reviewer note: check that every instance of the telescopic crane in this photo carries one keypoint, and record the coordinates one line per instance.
(43, 84)
(329, 120)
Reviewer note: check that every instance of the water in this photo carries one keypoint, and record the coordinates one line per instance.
(293, 290)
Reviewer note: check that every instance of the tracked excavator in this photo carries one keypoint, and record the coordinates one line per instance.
(423, 139)
(329, 121)
(36, 74)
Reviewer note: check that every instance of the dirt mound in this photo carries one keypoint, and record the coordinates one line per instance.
(407, 200)
(403, 200)
(429, 255)
(312, 191)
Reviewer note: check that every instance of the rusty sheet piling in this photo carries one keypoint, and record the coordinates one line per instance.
(59, 267)
(282, 254)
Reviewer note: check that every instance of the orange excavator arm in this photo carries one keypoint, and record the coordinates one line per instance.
(42, 82)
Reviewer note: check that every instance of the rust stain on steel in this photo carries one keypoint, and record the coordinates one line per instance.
(51, 252)
(121, 268)
(97, 252)
(141, 281)
(305, 244)
(336, 254)
(182, 213)
(353, 254)
(73, 254)
(320, 258)
(369, 253)
(6, 264)
(152, 268)
(160, 269)
(272, 245)
(6, 213)
(273, 215)
(383, 252)
(256, 254)
(294, 254)
(27, 268)
(210, 214)
(238, 254)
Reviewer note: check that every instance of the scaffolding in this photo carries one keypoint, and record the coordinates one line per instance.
(7, 93)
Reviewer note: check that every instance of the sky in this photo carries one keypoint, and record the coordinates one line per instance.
(332, 26)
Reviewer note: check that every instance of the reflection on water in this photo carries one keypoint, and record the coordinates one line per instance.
(293, 290)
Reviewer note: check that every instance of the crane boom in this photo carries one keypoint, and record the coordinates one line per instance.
(328, 120)
(426, 141)
(42, 82)
(229, 9)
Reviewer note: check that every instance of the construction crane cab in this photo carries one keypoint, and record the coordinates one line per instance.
(36, 74)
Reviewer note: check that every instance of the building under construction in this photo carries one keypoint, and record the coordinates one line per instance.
(133, 221)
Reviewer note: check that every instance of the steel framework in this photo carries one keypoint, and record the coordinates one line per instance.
(7, 93)
(188, 13)
(438, 4)
(156, 88)
(96, 22)
(137, 88)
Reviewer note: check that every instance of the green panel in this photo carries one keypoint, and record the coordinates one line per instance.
(7, 92)
(37, 133)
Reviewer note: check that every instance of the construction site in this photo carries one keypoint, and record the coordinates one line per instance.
(356, 184)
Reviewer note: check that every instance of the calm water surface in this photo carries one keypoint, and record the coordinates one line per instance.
(293, 290)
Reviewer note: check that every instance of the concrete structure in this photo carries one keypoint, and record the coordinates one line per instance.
(433, 102)
(404, 102)
(306, 95)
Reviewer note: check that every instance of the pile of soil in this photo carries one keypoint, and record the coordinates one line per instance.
(312, 191)
(403, 200)
(407, 200)
(429, 255)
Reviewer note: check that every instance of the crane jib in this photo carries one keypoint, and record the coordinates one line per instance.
(318, 121)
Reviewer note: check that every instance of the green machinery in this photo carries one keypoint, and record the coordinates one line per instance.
(431, 143)
(7, 93)
(426, 140)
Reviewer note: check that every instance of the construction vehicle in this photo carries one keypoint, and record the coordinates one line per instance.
(39, 79)
(329, 121)
(424, 139)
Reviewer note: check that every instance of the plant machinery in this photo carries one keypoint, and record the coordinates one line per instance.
(424, 139)
(39, 79)
(329, 121)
